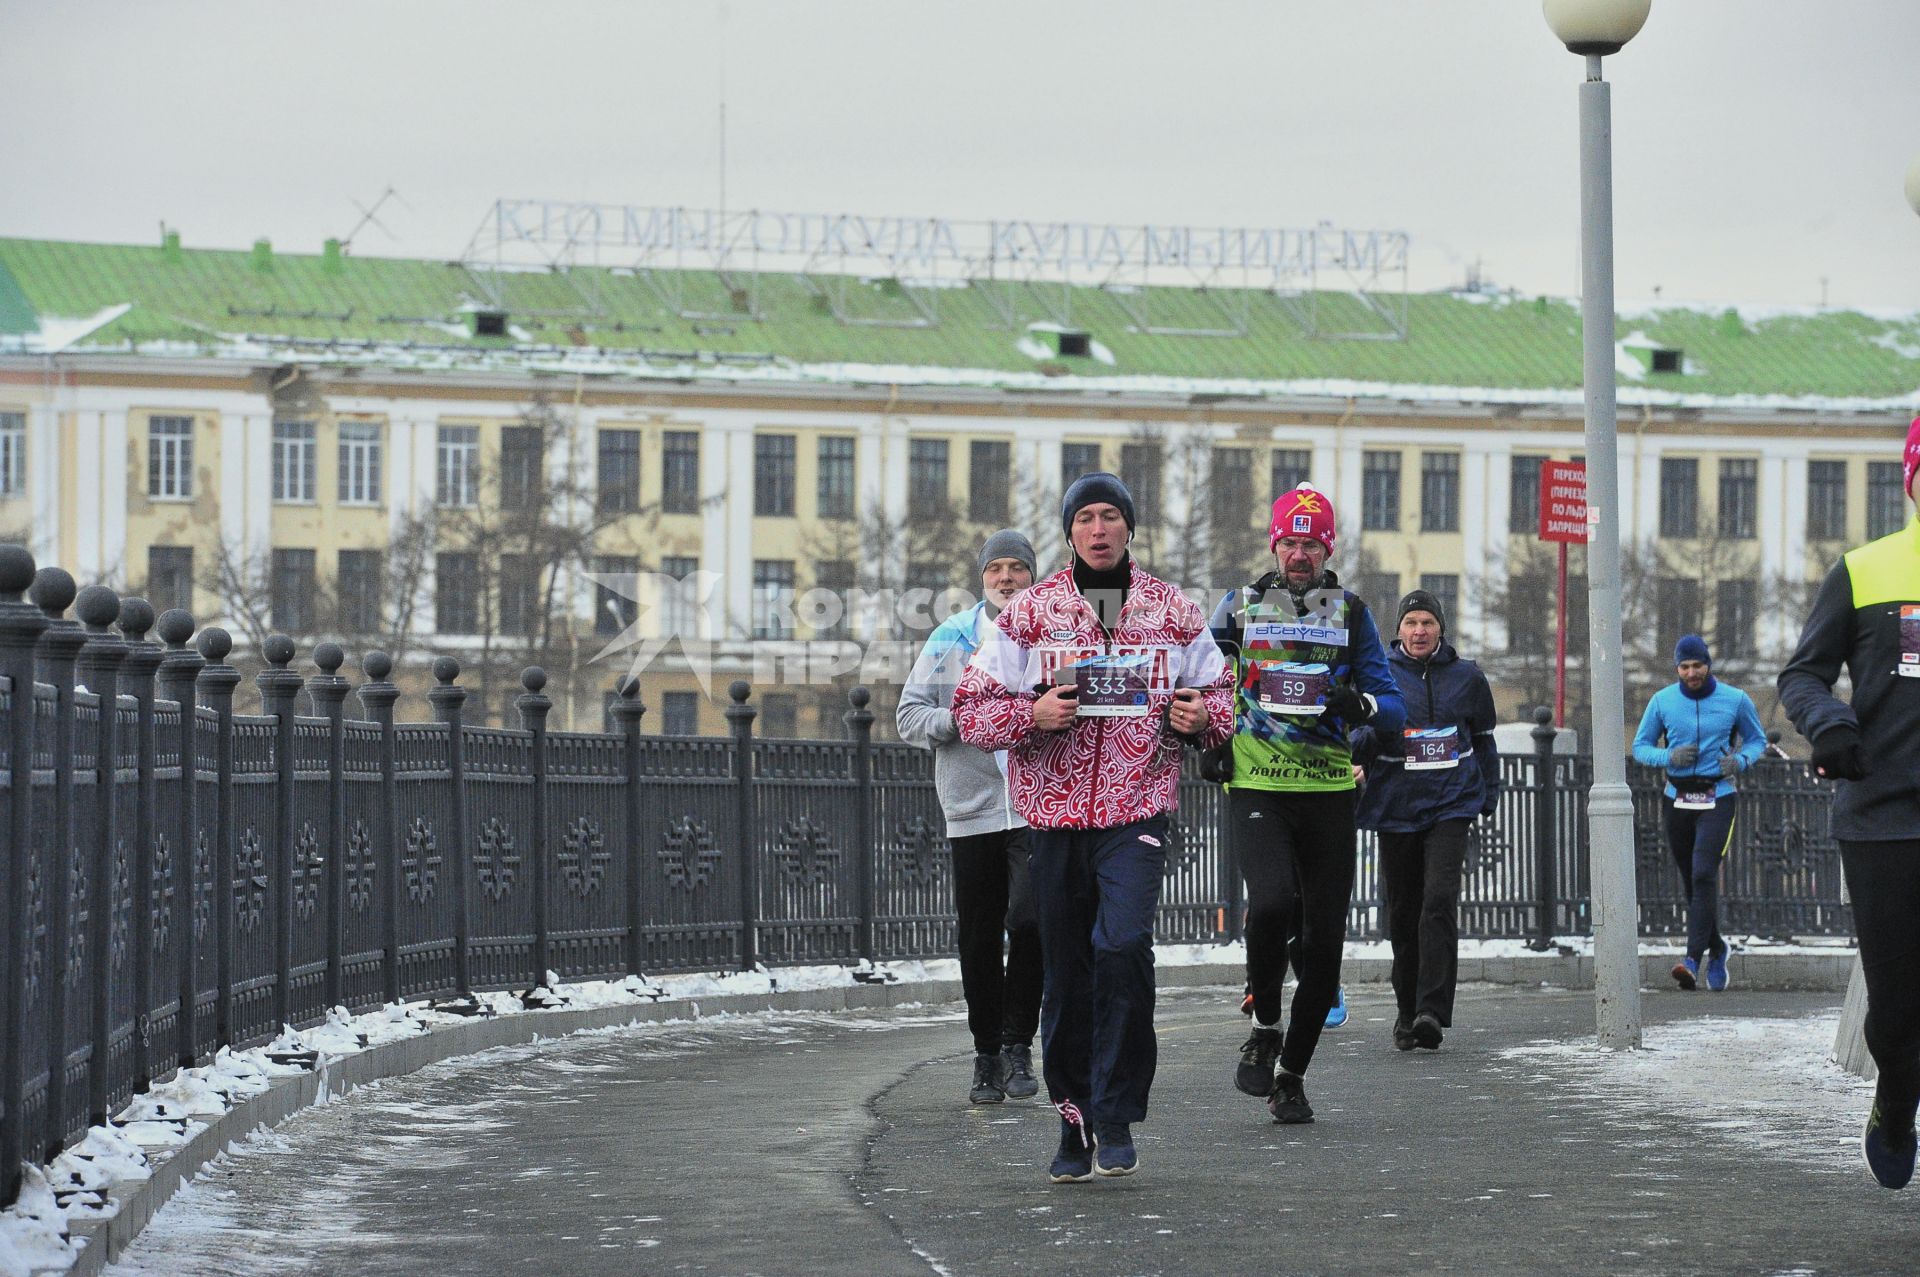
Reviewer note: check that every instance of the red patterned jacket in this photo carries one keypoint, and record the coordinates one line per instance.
(1099, 773)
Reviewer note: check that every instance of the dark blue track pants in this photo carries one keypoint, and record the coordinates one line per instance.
(1095, 892)
(1699, 842)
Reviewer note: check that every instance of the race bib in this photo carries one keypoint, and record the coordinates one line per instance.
(1430, 748)
(1909, 666)
(1113, 686)
(1694, 793)
(1288, 687)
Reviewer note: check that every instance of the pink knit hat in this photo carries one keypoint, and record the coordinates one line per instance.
(1305, 511)
(1913, 453)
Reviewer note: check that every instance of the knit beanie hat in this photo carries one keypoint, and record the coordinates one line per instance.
(1691, 647)
(1095, 489)
(1009, 544)
(1422, 601)
(1913, 453)
(1305, 511)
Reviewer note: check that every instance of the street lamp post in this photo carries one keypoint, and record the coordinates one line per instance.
(1913, 185)
(1594, 29)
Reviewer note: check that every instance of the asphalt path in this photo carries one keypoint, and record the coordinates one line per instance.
(812, 1143)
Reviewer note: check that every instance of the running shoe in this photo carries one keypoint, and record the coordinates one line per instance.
(1017, 1063)
(1338, 1015)
(1426, 1031)
(1403, 1039)
(1686, 973)
(1889, 1153)
(1257, 1056)
(1073, 1162)
(1717, 972)
(1289, 1101)
(989, 1079)
(1114, 1153)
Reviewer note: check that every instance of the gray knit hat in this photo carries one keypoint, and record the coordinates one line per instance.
(1009, 544)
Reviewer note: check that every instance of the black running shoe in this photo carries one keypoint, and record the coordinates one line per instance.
(1426, 1030)
(1021, 1083)
(989, 1079)
(1889, 1153)
(1289, 1101)
(1255, 1074)
(1403, 1039)
(1114, 1153)
(1073, 1161)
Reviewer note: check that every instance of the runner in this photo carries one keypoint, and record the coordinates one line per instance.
(1867, 618)
(1689, 729)
(1424, 790)
(1090, 681)
(1308, 668)
(990, 893)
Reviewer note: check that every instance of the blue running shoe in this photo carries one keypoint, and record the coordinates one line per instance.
(1889, 1156)
(1686, 973)
(1115, 1155)
(1716, 972)
(1338, 1015)
(1073, 1162)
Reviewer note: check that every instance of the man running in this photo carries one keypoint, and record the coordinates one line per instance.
(1867, 617)
(1690, 728)
(1091, 681)
(990, 893)
(1308, 668)
(1426, 785)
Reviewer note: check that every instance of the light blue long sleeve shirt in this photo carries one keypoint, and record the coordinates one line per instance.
(1710, 724)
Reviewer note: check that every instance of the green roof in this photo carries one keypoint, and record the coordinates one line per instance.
(384, 311)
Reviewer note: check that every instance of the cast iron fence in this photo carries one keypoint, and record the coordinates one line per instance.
(179, 877)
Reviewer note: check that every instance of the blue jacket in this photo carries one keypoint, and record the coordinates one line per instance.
(1710, 724)
(1441, 691)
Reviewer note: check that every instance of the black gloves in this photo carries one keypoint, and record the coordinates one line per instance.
(1350, 705)
(1729, 764)
(1682, 756)
(1836, 753)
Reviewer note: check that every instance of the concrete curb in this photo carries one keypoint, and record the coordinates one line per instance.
(106, 1240)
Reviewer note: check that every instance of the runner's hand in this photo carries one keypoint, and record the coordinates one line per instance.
(1683, 756)
(1349, 705)
(1836, 754)
(1057, 708)
(1188, 712)
(1729, 764)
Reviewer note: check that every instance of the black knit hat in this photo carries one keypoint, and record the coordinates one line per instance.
(1422, 601)
(1093, 489)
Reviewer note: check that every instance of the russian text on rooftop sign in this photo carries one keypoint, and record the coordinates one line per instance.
(1563, 502)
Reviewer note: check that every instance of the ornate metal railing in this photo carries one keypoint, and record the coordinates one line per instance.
(179, 877)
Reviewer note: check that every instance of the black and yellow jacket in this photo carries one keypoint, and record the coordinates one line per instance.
(1867, 615)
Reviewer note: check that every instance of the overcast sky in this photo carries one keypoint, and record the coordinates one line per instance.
(1760, 145)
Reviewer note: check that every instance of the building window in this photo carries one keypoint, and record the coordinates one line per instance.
(676, 610)
(1523, 495)
(1679, 496)
(773, 598)
(619, 476)
(1291, 468)
(835, 577)
(1826, 500)
(1530, 613)
(456, 593)
(779, 715)
(773, 475)
(835, 488)
(1736, 614)
(1445, 588)
(292, 589)
(927, 472)
(523, 479)
(680, 713)
(1886, 500)
(989, 480)
(1380, 492)
(522, 606)
(1380, 591)
(1142, 466)
(613, 611)
(680, 472)
(1230, 480)
(170, 577)
(1439, 492)
(357, 576)
(1077, 459)
(13, 453)
(293, 448)
(1677, 600)
(359, 463)
(1739, 497)
(170, 457)
(457, 474)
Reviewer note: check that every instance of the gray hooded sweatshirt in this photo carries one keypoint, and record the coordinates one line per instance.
(971, 783)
